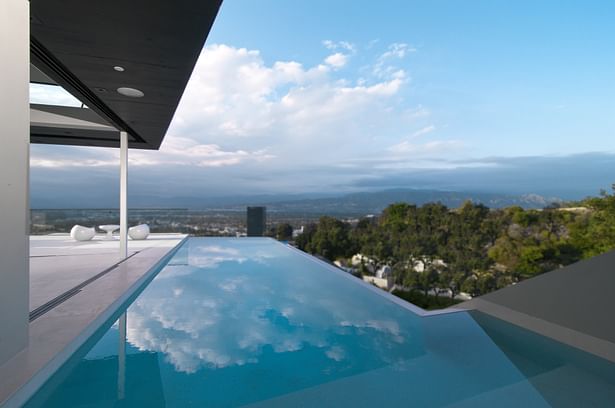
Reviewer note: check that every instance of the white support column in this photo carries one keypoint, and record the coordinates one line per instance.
(123, 195)
(14, 175)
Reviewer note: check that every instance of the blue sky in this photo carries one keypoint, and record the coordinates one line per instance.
(319, 96)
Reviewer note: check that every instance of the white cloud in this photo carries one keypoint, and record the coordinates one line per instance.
(51, 95)
(70, 162)
(343, 45)
(397, 50)
(385, 64)
(433, 148)
(436, 146)
(186, 151)
(283, 112)
(423, 131)
(177, 151)
(337, 60)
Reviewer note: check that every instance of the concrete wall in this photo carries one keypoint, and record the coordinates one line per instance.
(382, 283)
(580, 297)
(14, 165)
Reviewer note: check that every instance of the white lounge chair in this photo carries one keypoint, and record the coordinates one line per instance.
(81, 233)
(138, 232)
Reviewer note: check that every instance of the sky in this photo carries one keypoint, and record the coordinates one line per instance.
(341, 96)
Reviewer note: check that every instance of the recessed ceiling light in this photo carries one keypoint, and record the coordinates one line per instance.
(118, 68)
(131, 92)
(100, 89)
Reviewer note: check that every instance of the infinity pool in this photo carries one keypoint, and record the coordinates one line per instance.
(250, 321)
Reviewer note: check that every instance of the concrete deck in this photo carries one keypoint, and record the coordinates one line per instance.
(573, 305)
(58, 263)
(67, 277)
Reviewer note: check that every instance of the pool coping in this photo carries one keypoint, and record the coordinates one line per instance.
(21, 390)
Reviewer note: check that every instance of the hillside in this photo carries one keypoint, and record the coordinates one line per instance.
(376, 202)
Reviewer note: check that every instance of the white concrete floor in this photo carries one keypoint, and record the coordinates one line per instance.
(59, 264)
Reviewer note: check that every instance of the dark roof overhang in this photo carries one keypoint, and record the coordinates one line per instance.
(77, 44)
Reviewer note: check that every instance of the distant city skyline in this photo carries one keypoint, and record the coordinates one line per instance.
(329, 97)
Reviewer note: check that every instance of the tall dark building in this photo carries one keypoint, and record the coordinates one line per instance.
(257, 220)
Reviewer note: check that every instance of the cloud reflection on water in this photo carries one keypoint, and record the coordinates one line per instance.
(228, 307)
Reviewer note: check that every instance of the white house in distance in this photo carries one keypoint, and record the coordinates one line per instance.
(419, 265)
(359, 259)
(381, 275)
(297, 232)
(383, 278)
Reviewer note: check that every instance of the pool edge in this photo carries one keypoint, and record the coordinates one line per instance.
(397, 300)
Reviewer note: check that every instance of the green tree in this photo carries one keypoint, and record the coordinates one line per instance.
(331, 239)
(594, 234)
(483, 249)
(284, 232)
(451, 280)
(304, 239)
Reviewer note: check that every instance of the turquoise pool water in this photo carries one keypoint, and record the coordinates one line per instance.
(252, 322)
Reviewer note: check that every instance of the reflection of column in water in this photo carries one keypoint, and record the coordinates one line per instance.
(121, 358)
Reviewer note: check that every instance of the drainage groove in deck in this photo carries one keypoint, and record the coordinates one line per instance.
(41, 310)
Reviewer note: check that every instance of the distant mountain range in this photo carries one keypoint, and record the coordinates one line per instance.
(375, 202)
(364, 202)
(334, 204)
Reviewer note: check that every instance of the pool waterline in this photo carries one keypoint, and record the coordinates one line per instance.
(252, 321)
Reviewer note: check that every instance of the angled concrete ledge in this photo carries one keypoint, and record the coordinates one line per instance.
(572, 305)
(565, 335)
(59, 333)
